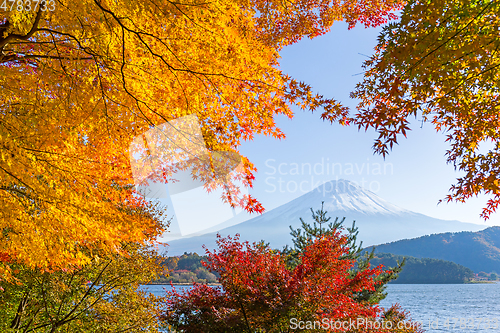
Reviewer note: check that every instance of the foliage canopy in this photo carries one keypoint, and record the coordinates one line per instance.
(81, 79)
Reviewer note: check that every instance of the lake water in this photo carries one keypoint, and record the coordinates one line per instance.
(460, 308)
(471, 307)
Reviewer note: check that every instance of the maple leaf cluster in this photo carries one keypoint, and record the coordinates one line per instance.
(440, 63)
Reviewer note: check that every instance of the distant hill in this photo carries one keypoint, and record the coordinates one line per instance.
(378, 220)
(479, 251)
(425, 270)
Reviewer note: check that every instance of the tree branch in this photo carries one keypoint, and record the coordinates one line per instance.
(34, 28)
(15, 57)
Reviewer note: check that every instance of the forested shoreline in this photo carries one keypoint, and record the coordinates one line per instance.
(188, 268)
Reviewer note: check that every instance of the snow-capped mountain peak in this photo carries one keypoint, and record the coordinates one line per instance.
(343, 195)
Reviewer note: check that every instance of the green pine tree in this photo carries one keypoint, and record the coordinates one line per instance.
(321, 225)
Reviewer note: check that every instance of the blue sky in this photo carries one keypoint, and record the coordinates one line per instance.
(416, 175)
(413, 176)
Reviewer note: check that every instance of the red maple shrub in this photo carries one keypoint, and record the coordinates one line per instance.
(259, 292)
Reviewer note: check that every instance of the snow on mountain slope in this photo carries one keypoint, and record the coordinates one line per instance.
(378, 220)
(342, 195)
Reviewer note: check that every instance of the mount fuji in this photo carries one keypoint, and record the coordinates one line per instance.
(378, 221)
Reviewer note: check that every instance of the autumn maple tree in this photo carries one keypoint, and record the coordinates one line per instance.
(261, 292)
(81, 79)
(440, 62)
(104, 296)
